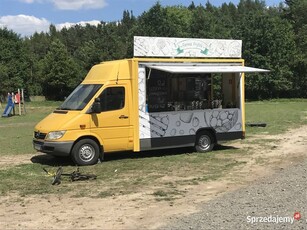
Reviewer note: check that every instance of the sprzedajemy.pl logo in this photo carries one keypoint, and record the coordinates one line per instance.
(273, 219)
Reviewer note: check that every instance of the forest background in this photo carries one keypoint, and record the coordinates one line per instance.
(273, 38)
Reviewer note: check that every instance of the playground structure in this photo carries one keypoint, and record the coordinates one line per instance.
(15, 100)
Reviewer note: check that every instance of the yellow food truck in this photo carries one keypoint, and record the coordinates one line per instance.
(162, 98)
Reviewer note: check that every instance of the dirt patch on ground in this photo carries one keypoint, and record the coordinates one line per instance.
(143, 210)
(9, 161)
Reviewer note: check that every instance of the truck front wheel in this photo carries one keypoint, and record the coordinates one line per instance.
(85, 152)
(204, 142)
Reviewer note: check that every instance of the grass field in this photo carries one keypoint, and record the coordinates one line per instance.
(124, 173)
(279, 115)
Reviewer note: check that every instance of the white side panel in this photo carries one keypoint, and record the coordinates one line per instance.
(142, 89)
(186, 47)
(182, 123)
(143, 116)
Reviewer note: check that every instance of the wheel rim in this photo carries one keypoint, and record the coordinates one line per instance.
(87, 152)
(204, 142)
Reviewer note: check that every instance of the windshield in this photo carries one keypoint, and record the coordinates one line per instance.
(79, 98)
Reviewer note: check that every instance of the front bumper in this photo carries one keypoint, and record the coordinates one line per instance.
(53, 148)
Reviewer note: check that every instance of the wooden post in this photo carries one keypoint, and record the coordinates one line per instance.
(19, 101)
(23, 101)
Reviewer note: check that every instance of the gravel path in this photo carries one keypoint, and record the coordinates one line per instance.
(275, 197)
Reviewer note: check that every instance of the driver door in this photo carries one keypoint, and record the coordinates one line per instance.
(112, 125)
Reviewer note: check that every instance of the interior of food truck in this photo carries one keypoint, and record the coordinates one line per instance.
(168, 91)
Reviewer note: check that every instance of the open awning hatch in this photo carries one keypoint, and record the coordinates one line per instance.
(206, 69)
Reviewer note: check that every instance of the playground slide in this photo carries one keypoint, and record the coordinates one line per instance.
(8, 109)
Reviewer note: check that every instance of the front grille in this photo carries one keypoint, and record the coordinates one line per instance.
(39, 135)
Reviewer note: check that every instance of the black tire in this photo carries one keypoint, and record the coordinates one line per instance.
(204, 142)
(85, 152)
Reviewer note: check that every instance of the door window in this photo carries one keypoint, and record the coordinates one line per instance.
(112, 98)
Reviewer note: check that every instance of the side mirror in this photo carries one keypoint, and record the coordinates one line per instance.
(96, 107)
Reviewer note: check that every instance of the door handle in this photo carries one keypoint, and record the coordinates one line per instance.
(123, 117)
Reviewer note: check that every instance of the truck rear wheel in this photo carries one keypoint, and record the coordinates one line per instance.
(204, 142)
(85, 152)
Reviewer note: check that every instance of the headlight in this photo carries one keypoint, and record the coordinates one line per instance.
(55, 135)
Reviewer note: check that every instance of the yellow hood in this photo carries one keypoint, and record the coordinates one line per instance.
(65, 120)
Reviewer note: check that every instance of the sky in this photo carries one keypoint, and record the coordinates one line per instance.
(28, 16)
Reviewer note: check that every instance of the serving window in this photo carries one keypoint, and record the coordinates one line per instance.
(177, 91)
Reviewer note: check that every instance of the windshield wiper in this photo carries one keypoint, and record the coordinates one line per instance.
(63, 108)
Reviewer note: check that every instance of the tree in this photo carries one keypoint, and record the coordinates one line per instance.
(14, 68)
(154, 23)
(192, 6)
(296, 14)
(37, 46)
(268, 42)
(212, 22)
(126, 32)
(88, 55)
(60, 73)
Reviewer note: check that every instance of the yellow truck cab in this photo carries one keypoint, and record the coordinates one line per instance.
(164, 98)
